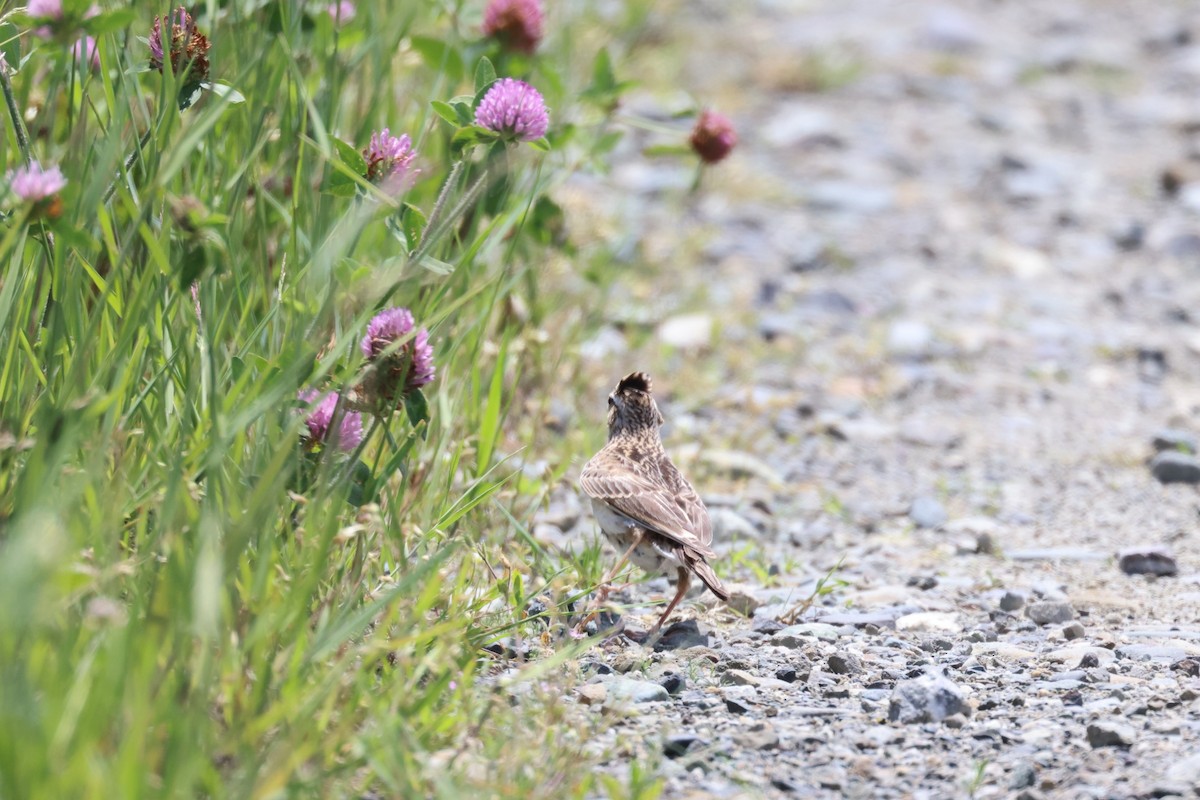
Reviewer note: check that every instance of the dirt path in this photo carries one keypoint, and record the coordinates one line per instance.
(927, 322)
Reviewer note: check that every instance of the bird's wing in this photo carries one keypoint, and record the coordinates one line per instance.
(678, 516)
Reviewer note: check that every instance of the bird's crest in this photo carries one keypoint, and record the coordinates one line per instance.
(635, 381)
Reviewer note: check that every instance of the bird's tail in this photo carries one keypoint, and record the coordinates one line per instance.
(705, 573)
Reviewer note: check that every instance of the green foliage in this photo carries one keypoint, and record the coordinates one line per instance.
(193, 602)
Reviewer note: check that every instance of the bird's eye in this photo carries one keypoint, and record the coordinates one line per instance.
(612, 403)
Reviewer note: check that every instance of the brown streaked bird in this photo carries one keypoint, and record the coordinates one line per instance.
(644, 505)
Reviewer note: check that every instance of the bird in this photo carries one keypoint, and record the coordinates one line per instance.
(643, 504)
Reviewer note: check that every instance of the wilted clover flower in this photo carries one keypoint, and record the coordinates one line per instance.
(513, 109)
(320, 420)
(713, 137)
(388, 157)
(517, 24)
(38, 187)
(405, 368)
(188, 47)
(342, 11)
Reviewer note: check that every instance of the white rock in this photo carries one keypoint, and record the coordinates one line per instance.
(930, 622)
(687, 331)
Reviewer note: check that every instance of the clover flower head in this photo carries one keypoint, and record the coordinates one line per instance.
(188, 48)
(517, 24)
(320, 422)
(713, 136)
(45, 9)
(85, 53)
(514, 109)
(33, 184)
(406, 367)
(341, 12)
(389, 158)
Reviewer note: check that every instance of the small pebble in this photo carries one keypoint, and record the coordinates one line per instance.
(927, 512)
(1012, 601)
(1073, 631)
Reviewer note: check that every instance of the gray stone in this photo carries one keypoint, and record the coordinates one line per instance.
(1073, 631)
(929, 698)
(592, 694)
(1109, 733)
(838, 195)
(845, 664)
(760, 736)
(927, 512)
(1171, 466)
(1047, 612)
(950, 30)
(1023, 776)
(1151, 560)
(739, 677)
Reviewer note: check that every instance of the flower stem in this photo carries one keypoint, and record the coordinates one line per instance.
(130, 160)
(15, 112)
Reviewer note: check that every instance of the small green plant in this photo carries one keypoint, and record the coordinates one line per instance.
(978, 777)
(826, 585)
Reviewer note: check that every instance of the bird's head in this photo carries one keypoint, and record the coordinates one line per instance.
(631, 406)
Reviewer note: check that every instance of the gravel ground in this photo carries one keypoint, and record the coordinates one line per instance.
(931, 323)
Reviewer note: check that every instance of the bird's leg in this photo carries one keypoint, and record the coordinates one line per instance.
(638, 535)
(685, 580)
(603, 590)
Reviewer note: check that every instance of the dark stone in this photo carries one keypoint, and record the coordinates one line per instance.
(1012, 601)
(786, 674)
(1108, 733)
(596, 668)
(1176, 440)
(1152, 560)
(1171, 466)
(683, 635)
(1188, 666)
(1089, 661)
(678, 745)
(1130, 237)
(735, 706)
(673, 682)
(1152, 364)
(767, 625)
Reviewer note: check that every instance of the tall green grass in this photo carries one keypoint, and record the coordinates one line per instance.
(190, 604)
